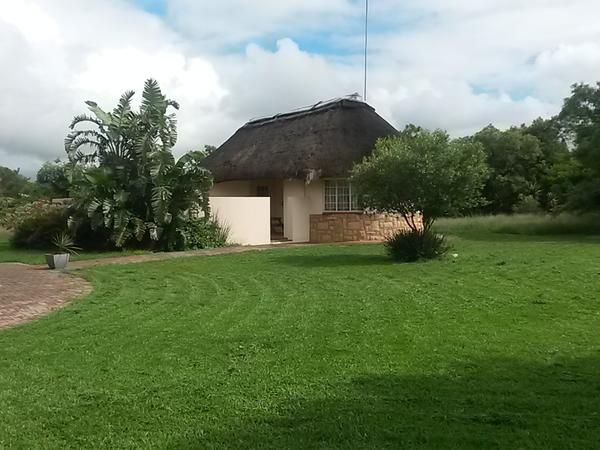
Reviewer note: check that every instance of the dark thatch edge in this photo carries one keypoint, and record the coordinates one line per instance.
(325, 140)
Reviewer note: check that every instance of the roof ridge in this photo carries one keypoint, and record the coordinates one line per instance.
(306, 110)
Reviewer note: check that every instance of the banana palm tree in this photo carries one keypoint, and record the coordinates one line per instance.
(129, 181)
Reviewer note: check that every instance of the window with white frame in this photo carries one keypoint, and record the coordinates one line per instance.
(339, 196)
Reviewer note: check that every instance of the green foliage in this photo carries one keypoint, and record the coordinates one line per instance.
(16, 191)
(557, 174)
(580, 122)
(527, 205)
(35, 225)
(421, 172)
(203, 233)
(559, 183)
(13, 184)
(30, 210)
(549, 135)
(64, 243)
(54, 178)
(516, 164)
(8, 206)
(129, 183)
(414, 245)
(9, 253)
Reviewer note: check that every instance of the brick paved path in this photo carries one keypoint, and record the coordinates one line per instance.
(27, 292)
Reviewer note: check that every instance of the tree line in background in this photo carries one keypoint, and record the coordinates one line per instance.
(551, 165)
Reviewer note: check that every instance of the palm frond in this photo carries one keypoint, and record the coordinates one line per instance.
(161, 196)
(139, 228)
(80, 118)
(121, 218)
(82, 158)
(107, 208)
(102, 115)
(72, 137)
(125, 102)
(161, 162)
(143, 146)
(122, 114)
(120, 236)
(82, 141)
(93, 207)
(152, 97)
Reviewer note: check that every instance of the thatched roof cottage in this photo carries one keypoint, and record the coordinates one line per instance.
(301, 160)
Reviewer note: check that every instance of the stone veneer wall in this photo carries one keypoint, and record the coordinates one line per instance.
(345, 227)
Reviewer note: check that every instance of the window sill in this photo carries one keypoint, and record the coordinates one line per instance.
(358, 211)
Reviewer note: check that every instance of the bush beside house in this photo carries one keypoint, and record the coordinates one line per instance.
(126, 187)
(421, 175)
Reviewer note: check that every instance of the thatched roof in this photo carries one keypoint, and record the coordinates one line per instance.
(326, 140)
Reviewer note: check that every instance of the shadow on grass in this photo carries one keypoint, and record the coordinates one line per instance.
(492, 404)
(332, 260)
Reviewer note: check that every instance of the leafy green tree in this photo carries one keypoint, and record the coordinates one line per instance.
(516, 164)
(558, 166)
(126, 179)
(13, 184)
(579, 120)
(548, 133)
(422, 173)
(53, 177)
(15, 191)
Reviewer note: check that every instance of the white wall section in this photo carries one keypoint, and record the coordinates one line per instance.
(248, 218)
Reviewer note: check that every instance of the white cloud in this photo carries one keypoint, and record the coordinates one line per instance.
(214, 24)
(50, 79)
(266, 82)
(457, 65)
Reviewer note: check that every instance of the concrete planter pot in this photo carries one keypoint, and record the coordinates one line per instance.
(58, 261)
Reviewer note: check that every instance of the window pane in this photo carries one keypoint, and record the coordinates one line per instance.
(330, 196)
(353, 200)
(343, 195)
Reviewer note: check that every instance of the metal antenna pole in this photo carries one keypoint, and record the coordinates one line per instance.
(366, 46)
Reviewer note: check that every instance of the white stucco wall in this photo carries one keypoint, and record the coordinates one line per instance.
(249, 189)
(292, 200)
(248, 218)
(300, 200)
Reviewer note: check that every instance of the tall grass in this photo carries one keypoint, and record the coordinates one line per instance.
(525, 224)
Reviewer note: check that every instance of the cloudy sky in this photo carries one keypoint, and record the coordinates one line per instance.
(454, 64)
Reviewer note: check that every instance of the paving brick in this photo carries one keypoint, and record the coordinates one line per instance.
(28, 292)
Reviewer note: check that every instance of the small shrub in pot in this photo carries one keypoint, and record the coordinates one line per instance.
(65, 247)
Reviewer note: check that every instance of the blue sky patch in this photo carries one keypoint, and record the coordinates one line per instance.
(158, 7)
(516, 93)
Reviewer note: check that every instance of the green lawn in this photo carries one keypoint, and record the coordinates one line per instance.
(8, 254)
(319, 347)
